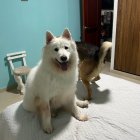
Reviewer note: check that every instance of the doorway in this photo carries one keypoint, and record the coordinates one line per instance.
(97, 22)
(125, 34)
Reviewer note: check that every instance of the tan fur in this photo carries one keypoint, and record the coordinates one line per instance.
(89, 69)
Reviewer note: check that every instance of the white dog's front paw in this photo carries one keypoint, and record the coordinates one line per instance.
(85, 103)
(82, 117)
(82, 104)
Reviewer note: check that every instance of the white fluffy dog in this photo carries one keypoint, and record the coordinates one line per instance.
(52, 83)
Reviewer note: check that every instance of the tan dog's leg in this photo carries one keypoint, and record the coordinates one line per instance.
(89, 90)
(43, 109)
(96, 79)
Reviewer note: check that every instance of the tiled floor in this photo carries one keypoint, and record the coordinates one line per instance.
(8, 98)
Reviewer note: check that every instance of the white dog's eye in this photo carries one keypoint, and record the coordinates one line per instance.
(66, 47)
(56, 49)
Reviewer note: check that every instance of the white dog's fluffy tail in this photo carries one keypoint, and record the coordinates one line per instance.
(104, 49)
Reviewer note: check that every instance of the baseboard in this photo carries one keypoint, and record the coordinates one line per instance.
(127, 76)
(2, 89)
(8, 88)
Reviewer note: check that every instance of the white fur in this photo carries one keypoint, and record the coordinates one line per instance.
(49, 83)
(44, 81)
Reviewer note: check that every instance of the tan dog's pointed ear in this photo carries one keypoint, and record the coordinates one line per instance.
(49, 37)
(66, 34)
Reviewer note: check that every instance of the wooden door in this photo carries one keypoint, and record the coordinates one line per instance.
(91, 21)
(127, 52)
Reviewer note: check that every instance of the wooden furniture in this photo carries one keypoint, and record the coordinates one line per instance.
(91, 21)
(127, 50)
(18, 72)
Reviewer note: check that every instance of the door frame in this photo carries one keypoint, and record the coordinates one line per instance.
(115, 11)
(114, 34)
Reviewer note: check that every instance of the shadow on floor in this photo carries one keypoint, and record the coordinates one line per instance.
(98, 97)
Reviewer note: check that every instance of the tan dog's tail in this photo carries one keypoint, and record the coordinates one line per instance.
(104, 49)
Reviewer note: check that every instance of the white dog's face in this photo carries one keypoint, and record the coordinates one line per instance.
(61, 50)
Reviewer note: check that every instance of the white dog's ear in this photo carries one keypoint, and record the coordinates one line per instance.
(49, 37)
(67, 34)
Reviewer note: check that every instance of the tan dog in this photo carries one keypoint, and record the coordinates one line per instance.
(90, 65)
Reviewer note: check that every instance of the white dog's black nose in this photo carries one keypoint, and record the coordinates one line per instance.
(63, 58)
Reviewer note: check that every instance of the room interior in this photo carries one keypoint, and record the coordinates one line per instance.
(23, 28)
(12, 26)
